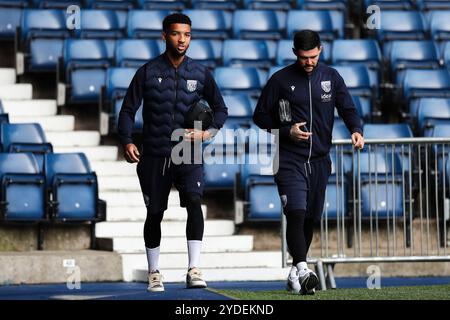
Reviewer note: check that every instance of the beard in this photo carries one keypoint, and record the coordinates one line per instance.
(175, 52)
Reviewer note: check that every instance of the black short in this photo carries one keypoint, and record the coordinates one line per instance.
(302, 187)
(157, 175)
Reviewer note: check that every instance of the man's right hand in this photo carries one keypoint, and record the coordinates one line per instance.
(132, 154)
(297, 134)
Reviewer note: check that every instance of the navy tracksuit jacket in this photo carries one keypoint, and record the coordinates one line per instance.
(312, 99)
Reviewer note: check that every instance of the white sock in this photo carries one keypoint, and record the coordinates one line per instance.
(302, 267)
(194, 248)
(152, 259)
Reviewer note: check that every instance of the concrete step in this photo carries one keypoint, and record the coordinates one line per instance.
(237, 243)
(7, 76)
(30, 108)
(221, 260)
(120, 183)
(129, 214)
(98, 153)
(225, 274)
(74, 138)
(48, 123)
(168, 228)
(18, 91)
(133, 198)
(113, 168)
(34, 267)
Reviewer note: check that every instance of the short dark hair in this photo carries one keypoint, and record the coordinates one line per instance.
(306, 40)
(175, 18)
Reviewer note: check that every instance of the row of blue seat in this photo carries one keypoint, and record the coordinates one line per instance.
(246, 24)
(229, 4)
(181, 4)
(402, 54)
(65, 190)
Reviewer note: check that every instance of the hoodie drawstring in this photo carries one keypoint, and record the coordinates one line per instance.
(167, 162)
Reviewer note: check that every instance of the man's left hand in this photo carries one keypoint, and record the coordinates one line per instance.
(196, 135)
(358, 140)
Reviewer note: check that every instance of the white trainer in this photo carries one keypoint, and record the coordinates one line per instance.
(293, 284)
(155, 283)
(308, 281)
(194, 279)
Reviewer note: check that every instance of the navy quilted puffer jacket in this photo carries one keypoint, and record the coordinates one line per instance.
(168, 93)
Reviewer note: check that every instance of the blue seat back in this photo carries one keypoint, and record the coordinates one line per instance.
(135, 52)
(250, 53)
(145, 23)
(319, 21)
(100, 24)
(9, 20)
(398, 25)
(238, 80)
(258, 24)
(43, 23)
(211, 24)
(23, 187)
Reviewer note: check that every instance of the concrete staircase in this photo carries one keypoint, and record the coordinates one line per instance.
(225, 256)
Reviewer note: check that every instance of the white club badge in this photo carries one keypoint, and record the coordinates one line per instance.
(191, 85)
(326, 86)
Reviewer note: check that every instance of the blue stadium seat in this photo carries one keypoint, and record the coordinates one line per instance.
(425, 83)
(322, 4)
(239, 80)
(207, 52)
(336, 195)
(285, 56)
(240, 110)
(361, 51)
(381, 185)
(45, 54)
(9, 21)
(111, 4)
(267, 4)
(389, 131)
(133, 53)
(145, 23)
(117, 82)
(261, 199)
(86, 62)
(425, 5)
(25, 137)
(14, 3)
(38, 23)
(440, 25)
(258, 24)
(391, 4)
(272, 70)
(431, 112)
(446, 55)
(162, 4)
(101, 24)
(357, 80)
(220, 172)
(73, 186)
(210, 24)
(23, 188)
(229, 5)
(319, 21)
(401, 25)
(55, 4)
(407, 54)
(246, 53)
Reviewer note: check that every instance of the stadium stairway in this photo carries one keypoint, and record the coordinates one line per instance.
(225, 257)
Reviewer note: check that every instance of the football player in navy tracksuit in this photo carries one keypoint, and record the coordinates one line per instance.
(169, 85)
(313, 90)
